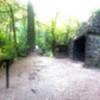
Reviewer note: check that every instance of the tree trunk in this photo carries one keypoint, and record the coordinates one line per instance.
(13, 27)
(31, 27)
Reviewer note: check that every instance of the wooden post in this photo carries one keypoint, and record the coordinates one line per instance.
(7, 74)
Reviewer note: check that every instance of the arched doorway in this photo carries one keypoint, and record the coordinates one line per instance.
(79, 48)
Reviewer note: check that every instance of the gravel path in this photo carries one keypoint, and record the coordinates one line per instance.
(43, 78)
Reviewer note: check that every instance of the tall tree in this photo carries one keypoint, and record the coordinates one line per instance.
(13, 26)
(31, 26)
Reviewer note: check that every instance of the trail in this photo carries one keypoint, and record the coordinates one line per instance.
(42, 78)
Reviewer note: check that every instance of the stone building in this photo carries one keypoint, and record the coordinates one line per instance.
(86, 46)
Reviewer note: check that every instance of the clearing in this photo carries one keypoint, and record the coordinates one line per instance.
(42, 78)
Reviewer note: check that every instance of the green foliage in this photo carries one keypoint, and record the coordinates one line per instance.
(9, 50)
(7, 44)
(22, 42)
(14, 44)
(48, 34)
(2, 39)
(41, 38)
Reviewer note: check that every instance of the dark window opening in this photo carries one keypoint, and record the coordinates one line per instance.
(61, 51)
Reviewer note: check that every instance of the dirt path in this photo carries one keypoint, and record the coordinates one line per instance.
(43, 78)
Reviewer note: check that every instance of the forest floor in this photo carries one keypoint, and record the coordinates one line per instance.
(41, 78)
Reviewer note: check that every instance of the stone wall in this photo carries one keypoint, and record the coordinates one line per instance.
(70, 50)
(92, 52)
